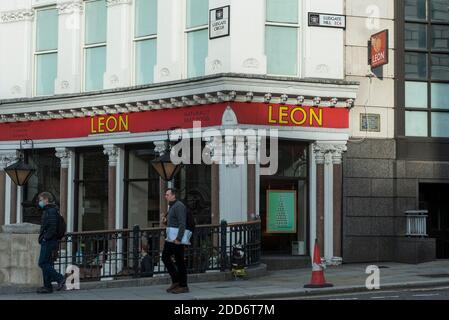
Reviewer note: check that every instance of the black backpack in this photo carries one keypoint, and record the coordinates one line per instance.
(61, 227)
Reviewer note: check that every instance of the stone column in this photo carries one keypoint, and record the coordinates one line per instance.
(69, 41)
(251, 147)
(4, 160)
(337, 185)
(112, 152)
(64, 155)
(319, 158)
(160, 147)
(211, 146)
(13, 208)
(118, 72)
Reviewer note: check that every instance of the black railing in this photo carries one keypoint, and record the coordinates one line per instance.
(138, 252)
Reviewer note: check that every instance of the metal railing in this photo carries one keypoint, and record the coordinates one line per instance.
(416, 223)
(138, 252)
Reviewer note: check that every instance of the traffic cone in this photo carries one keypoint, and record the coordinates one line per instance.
(318, 280)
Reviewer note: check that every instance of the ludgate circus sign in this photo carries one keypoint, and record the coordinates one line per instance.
(161, 120)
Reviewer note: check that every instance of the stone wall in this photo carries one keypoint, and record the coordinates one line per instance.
(377, 190)
(19, 255)
(369, 215)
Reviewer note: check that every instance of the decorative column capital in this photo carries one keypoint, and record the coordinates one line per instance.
(7, 158)
(17, 15)
(64, 154)
(252, 145)
(329, 152)
(160, 147)
(319, 151)
(112, 152)
(69, 7)
(337, 153)
(111, 3)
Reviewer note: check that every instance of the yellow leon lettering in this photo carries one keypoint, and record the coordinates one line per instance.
(270, 115)
(282, 115)
(318, 118)
(109, 124)
(124, 124)
(100, 124)
(304, 116)
(92, 125)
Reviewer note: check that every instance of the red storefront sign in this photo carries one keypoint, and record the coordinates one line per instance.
(378, 49)
(161, 120)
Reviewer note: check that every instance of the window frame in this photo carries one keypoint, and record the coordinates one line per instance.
(401, 22)
(85, 47)
(299, 37)
(186, 41)
(36, 53)
(136, 40)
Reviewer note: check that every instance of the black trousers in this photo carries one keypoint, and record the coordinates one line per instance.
(177, 273)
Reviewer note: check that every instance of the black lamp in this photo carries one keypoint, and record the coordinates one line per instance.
(165, 167)
(20, 172)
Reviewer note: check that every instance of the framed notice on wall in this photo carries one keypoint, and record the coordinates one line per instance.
(281, 211)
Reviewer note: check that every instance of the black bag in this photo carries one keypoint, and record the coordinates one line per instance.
(61, 227)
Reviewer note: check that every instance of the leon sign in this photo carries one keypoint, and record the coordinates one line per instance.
(378, 49)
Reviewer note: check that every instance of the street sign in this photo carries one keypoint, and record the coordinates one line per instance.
(219, 22)
(378, 49)
(327, 20)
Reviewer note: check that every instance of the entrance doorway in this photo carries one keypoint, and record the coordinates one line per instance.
(433, 197)
(283, 202)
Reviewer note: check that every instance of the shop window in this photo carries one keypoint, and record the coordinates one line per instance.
(194, 185)
(145, 40)
(95, 44)
(142, 188)
(46, 178)
(196, 30)
(46, 51)
(92, 190)
(426, 59)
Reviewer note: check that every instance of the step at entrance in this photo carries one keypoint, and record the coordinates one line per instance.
(285, 262)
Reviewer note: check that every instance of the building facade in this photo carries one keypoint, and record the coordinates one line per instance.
(98, 85)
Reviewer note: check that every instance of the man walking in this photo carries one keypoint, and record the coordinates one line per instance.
(176, 228)
(48, 240)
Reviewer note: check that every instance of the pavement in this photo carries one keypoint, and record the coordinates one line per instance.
(272, 285)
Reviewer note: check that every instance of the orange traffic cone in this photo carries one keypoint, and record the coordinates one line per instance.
(318, 280)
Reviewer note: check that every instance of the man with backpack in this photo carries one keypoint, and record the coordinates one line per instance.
(52, 230)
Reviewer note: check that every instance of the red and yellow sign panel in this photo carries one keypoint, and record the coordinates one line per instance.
(379, 49)
(161, 120)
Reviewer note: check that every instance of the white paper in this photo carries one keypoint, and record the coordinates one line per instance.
(172, 233)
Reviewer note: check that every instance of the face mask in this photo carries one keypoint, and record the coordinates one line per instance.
(41, 204)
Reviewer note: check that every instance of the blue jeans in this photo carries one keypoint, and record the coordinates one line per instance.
(46, 263)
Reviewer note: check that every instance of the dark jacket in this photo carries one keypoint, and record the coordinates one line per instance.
(49, 223)
(177, 217)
